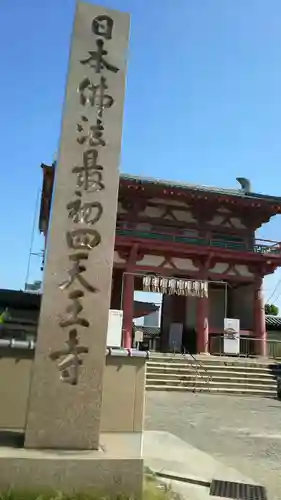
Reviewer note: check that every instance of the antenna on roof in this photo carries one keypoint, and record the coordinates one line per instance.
(245, 184)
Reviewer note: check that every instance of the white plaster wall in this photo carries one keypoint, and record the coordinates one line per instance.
(243, 270)
(237, 223)
(184, 216)
(222, 268)
(184, 264)
(159, 260)
(219, 220)
(151, 260)
(243, 306)
(219, 268)
(159, 211)
(153, 212)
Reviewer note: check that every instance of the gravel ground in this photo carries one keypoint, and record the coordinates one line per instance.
(244, 433)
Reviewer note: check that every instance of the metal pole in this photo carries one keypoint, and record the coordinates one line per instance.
(32, 237)
(225, 300)
(122, 289)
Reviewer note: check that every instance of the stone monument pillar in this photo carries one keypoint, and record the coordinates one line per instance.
(64, 410)
(83, 398)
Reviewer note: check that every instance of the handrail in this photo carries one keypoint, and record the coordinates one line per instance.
(201, 366)
(259, 245)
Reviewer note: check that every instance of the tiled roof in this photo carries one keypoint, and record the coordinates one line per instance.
(273, 321)
(136, 179)
(18, 299)
(200, 188)
(144, 308)
(149, 331)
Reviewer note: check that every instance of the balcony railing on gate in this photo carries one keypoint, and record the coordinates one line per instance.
(249, 347)
(259, 246)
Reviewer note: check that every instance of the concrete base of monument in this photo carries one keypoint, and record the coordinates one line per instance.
(116, 468)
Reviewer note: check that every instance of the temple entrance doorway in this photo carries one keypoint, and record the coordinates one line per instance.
(170, 333)
(189, 340)
(171, 314)
(147, 328)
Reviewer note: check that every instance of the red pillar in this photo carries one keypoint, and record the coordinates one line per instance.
(259, 320)
(128, 309)
(202, 326)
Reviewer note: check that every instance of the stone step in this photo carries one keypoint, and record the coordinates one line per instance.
(214, 390)
(217, 366)
(210, 383)
(205, 360)
(205, 377)
(199, 370)
(218, 376)
(214, 361)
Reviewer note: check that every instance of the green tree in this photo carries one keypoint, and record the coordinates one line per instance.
(271, 309)
(4, 316)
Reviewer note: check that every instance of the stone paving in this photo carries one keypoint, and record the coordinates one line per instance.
(244, 433)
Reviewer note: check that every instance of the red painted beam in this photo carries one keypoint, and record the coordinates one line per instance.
(183, 249)
(164, 271)
(191, 274)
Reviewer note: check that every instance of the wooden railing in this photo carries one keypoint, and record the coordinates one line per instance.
(259, 246)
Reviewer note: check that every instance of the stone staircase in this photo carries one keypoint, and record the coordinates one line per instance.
(212, 374)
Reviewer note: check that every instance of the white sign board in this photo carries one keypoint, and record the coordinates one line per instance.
(138, 336)
(114, 330)
(231, 336)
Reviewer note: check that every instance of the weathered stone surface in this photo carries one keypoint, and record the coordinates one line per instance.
(114, 469)
(243, 433)
(66, 415)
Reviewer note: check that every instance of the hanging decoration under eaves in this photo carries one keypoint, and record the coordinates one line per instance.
(175, 286)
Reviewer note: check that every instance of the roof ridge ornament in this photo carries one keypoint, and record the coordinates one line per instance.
(245, 184)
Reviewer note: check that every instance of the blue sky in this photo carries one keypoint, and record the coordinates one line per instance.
(203, 102)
